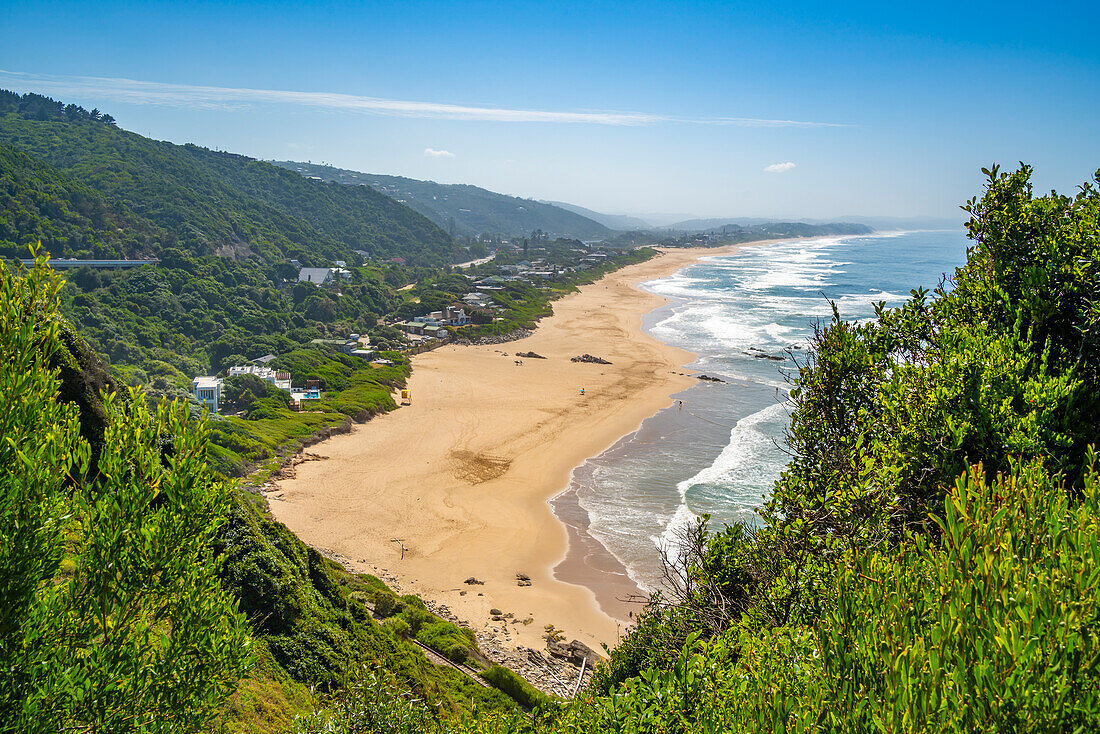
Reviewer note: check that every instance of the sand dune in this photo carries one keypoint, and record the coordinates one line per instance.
(461, 478)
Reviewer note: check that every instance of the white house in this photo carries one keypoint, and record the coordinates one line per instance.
(280, 380)
(208, 391)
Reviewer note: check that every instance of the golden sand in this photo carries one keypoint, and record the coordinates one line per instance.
(461, 478)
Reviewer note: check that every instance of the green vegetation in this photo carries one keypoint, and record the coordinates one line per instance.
(464, 210)
(204, 202)
(928, 561)
(113, 618)
(520, 690)
(131, 581)
(269, 431)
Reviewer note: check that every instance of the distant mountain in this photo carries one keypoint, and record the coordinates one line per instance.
(878, 223)
(463, 209)
(194, 199)
(622, 222)
(701, 225)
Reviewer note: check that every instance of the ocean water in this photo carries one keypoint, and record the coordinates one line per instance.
(721, 450)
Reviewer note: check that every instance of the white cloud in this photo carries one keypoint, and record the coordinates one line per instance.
(779, 167)
(186, 95)
(433, 153)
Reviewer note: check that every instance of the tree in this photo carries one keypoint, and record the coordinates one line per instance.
(113, 619)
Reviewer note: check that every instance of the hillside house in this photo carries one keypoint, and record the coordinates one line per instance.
(317, 276)
(455, 316)
(208, 391)
(280, 380)
(476, 300)
(322, 276)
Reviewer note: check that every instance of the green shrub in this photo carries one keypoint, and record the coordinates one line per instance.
(458, 653)
(441, 635)
(387, 605)
(416, 618)
(517, 688)
(398, 627)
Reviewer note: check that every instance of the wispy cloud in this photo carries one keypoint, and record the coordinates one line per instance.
(186, 95)
(433, 153)
(779, 167)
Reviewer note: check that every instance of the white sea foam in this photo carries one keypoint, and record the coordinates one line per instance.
(767, 299)
(745, 444)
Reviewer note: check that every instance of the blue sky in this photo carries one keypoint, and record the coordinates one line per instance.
(696, 108)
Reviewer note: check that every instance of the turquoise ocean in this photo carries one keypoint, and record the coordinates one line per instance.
(720, 452)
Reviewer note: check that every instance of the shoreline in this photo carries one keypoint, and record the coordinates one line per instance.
(467, 477)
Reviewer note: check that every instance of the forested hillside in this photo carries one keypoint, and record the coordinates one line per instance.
(463, 209)
(207, 203)
(38, 203)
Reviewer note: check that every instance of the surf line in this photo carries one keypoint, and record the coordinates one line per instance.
(708, 420)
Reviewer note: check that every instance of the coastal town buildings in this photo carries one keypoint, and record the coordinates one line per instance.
(280, 380)
(356, 345)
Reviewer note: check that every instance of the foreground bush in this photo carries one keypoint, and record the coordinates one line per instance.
(112, 616)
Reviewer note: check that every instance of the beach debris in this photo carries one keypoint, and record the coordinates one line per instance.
(472, 581)
(530, 355)
(523, 579)
(589, 358)
(708, 378)
(400, 542)
(462, 593)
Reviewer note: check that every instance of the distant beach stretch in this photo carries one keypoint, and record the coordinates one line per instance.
(455, 487)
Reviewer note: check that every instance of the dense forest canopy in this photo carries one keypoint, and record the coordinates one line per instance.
(206, 202)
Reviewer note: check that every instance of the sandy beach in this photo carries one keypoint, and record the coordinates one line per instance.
(457, 484)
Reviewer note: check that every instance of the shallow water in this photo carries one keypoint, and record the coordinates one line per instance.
(721, 450)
